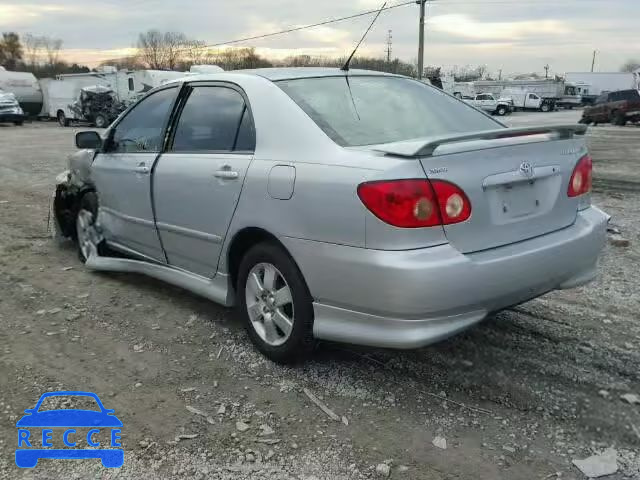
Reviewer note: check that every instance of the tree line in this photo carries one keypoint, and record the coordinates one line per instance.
(158, 50)
(38, 54)
(175, 51)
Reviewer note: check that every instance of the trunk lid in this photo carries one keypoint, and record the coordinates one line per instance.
(517, 184)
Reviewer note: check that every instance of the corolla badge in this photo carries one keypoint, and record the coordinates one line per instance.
(61, 433)
(526, 169)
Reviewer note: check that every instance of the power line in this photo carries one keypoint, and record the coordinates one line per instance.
(288, 30)
(304, 27)
(350, 17)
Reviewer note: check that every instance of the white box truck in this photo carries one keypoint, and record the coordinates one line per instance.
(525, 100)
(128, 86)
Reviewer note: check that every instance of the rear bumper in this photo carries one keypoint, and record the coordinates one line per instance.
(11, 117)
(411, 298)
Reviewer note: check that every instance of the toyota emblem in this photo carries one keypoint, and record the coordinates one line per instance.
(526, 169)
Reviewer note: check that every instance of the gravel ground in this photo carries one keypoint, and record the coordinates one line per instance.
(518, 397)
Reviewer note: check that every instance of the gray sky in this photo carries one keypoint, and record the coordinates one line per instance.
(513, 35)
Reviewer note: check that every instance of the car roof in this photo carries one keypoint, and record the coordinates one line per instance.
(289, 73)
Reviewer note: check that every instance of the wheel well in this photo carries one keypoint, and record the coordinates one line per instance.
(60, 111)
(65, 207)
(243, 241)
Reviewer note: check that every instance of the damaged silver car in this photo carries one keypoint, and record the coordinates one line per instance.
(355, 206)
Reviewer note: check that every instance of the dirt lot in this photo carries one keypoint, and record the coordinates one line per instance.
(518, 397)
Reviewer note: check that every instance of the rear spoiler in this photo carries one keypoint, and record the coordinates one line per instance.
(426, 147)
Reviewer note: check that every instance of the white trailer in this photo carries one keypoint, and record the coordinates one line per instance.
(25, 88)
(592, 84)
(555, 92)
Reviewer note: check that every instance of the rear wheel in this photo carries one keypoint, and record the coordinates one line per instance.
(502, 111)
(19, 123)
(63, 121)
(618, 118)
(275, 305)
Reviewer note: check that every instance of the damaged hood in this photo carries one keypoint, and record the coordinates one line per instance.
(8, 99)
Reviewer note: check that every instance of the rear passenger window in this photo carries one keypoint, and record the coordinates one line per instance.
(213, 119)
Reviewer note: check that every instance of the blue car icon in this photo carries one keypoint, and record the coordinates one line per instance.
(68, 419)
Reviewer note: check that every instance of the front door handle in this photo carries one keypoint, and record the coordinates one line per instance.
(226, 174)
(141, 168)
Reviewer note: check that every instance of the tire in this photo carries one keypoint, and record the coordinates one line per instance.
(618, 118)
(19, 123)
(545, 108)
(88, 205)
(101, 121)
(501, 111)
(282, 347)
(63, 121)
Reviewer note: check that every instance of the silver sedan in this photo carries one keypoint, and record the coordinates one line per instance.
(355, 207)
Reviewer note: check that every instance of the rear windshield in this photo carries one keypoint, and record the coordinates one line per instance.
(373, 110)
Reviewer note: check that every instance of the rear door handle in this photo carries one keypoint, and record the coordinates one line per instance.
(226, 174)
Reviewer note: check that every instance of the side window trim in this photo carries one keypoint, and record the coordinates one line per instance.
(187, 88)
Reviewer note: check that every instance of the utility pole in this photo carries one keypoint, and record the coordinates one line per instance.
(421, 39)
(389, 42)
(546, 71)
(500, 74)
(593, 62)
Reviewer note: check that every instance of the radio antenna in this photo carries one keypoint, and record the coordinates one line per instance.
(345, 67)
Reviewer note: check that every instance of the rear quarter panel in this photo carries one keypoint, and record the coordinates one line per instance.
(324, 206)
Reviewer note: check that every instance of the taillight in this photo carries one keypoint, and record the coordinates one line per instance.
(415, 203)
(580, 182)
(455, 207)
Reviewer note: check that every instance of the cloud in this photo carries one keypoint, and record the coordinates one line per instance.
(12, 15)
(466, 26)
(509, 34)
(326, 34)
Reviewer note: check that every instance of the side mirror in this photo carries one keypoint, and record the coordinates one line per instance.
(88, 139)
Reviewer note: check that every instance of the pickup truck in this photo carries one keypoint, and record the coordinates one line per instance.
(616, 108)
(488, 103)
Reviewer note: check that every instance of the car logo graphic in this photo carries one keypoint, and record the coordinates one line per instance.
(526, 169)
(62, 424)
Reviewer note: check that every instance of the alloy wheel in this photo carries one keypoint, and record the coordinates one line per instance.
(269, 304)
(86, 234)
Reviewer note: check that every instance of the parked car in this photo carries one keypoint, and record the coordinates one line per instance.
(616, 108)
(10, 110)
(365, 207)
(488, 103)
